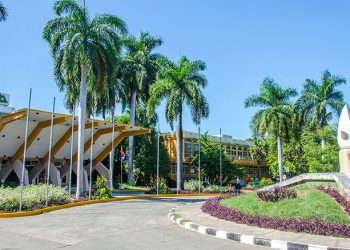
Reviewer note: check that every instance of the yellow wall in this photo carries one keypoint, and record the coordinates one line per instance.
(237, 153)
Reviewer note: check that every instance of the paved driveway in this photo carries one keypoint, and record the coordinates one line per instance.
(134, 224)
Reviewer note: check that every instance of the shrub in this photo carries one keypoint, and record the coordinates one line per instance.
(218, 189)
(276, 194)
(34, 197)
(163, 187)
(214, 208)
(265, 182)
(339, 198)
(192, 185)
(102, 189)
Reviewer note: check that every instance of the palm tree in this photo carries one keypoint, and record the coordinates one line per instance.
(84, 52)
(3, 12)
(320, 101)
(180, 83)
(137, 71)
(275, 115)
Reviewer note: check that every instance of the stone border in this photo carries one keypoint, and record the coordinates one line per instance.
(88, 202)
(246, 239)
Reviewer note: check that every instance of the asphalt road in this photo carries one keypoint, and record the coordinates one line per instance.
(134, 224)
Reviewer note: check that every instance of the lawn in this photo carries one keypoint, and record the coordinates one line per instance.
(129, 187)
(310, 204)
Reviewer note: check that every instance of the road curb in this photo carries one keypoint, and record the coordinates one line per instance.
(243, 238)
(83, 203)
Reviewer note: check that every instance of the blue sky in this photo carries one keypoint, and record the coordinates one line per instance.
(241, 41)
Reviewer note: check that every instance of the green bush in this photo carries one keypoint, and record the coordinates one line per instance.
(192, 185)
(34, 196)
(163, 187)
(102, 189)
(217, 189)
(265, 182)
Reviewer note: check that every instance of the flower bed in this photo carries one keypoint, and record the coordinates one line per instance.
(338, 197)
(34, 197)
(277, 194)
(214, 208)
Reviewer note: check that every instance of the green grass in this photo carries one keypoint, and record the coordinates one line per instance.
(310, 204)
(128, 187)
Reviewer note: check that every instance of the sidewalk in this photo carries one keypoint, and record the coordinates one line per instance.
(193, 213)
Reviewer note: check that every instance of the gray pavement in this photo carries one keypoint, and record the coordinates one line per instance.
(134, 224)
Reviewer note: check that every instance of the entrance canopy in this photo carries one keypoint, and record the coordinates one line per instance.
(12, 134)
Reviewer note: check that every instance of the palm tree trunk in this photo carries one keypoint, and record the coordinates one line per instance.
(131, 139)
(179, 152)
(280, 158)
(323, 145)
(81, 130)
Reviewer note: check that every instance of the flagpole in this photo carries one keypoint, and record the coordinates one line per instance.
(158, 135)
(220, 159)
(91, 154)
(111, 155)
(71, 153)
(50, 146)
(25, 149)
(121, 167)
(199, 160)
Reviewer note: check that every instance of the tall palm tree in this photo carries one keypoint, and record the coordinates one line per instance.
(84, 50)
(3, 12)
(180, 83)
(275, 115)
(319, 102)
(137, 72)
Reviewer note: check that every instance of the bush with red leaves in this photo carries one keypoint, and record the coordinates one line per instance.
(276, 194)
(319, 227)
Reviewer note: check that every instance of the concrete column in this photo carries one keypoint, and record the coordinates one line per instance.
(14, 166)
(55, 174)
(344, 161)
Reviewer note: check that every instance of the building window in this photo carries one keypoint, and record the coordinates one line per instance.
(188, 148)
(173, 169)
(253, 171)
(193, 170)
(264, 171)
(196, 147)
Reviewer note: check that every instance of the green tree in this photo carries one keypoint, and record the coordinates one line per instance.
(145, 161)
(180, 83)
(84, 52)
(210, 164)
(3, 12)
(137, 72)
(259, 149)
(320, 101)
(321, 159)
(274, 117)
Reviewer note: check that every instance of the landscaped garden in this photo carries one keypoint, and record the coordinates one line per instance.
(34, 196)
(314, 207)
